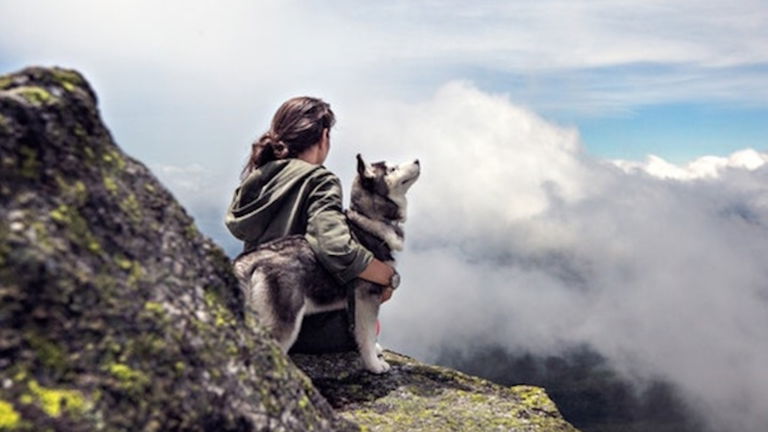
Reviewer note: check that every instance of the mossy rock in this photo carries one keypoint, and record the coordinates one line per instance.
(415, 396)
(115, 312)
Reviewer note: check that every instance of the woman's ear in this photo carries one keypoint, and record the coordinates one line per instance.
(326, 139)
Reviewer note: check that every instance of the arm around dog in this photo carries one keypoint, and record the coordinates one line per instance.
(330, 238)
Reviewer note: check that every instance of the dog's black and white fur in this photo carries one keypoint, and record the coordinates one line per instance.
(282, 280)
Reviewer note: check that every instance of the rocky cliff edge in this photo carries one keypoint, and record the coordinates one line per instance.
(117, 314)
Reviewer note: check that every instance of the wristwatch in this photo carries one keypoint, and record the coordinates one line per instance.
(394, 281)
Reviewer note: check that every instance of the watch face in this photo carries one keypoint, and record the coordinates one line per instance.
(395, 281)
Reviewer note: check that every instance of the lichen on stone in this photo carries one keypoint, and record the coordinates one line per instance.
(128, 378)
(113, 160)
(49, 353)
(29, 163)
(110, 184)
(68, 79)
(5, 81)
(75, 192)
(5, 124)
(56, 401)
(76, 227)
(132, 208)
(35, 95)
(9, 417)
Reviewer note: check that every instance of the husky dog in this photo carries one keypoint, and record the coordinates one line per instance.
(282, 280)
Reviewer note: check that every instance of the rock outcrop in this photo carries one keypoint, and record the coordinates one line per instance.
(417, 397)
(117, 314)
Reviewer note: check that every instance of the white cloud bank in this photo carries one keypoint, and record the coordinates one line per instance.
(703, 167)
(516, 237)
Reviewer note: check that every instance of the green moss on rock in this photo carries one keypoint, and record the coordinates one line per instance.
(5, 81)
(75, 192)
(128, 378)
(35, 95)
(113, 159)
(132, 208)
(50, 354)
(9, 417)
(76, 228)
(29, 162)
(5, 124)
(68, 79)
(110, 184)
(56, 401)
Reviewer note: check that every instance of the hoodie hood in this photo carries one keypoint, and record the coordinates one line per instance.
(264, 194)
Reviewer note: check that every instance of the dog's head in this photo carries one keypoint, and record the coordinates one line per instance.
(379, 189)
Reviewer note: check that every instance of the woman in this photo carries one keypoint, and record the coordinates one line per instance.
(285, 190)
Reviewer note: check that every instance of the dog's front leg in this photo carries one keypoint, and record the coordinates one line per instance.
(366, 314)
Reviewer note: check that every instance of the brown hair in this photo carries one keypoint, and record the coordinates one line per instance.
(297, 125)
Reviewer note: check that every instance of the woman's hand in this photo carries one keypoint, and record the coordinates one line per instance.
(387, 294)
(377, 272)
(380, 273)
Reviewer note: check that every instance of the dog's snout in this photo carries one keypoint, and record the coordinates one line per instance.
(416, 162)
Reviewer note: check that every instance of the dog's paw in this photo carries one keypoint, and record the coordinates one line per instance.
(395, 243)
(378, 367)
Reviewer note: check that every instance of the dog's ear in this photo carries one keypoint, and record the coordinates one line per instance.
(362, 168)
(365, 174)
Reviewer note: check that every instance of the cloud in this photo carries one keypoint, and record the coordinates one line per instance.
(516, 237)
(207, 54)
(703, 167)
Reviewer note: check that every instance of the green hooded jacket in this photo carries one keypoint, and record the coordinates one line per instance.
(291, 196)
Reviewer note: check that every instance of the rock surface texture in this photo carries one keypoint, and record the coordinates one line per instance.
(418, 397)
(117, 314)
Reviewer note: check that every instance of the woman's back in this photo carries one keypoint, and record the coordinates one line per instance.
(272, 201)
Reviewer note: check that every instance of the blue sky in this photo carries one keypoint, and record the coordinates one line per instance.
(677, 132)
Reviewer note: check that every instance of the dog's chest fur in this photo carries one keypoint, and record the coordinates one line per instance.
(381, 238)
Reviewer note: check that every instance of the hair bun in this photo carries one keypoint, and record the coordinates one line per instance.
(279, 148)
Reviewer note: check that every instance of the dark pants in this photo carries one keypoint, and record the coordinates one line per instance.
(326, 332)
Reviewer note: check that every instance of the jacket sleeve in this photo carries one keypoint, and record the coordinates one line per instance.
(328, 232)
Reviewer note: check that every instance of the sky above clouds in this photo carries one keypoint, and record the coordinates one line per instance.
(670, 71)
(593, 172)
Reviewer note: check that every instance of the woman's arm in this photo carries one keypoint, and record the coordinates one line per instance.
(328, 234)
(330, 238)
